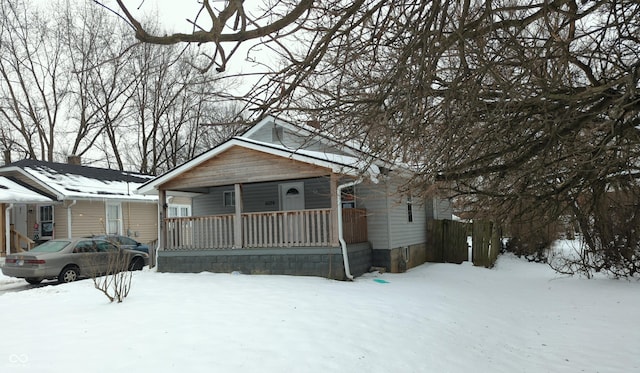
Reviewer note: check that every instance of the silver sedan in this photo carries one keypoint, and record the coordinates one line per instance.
(69, 259)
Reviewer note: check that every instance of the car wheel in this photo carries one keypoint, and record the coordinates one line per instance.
(69, 274)
(34, 280)
(136, 264)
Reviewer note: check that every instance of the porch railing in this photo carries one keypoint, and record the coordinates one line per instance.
(200, 232)
(17, 240)
(287, 228)
(263, 229)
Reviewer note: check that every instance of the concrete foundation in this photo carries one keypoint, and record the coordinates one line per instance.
(309, 261)
(400, 259)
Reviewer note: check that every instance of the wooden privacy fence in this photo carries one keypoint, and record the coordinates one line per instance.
(486, 243)
(448, 242)
(354, 225)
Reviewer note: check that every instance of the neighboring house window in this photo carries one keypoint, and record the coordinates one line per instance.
(179, 211)
(46, 222)
(114, 218)
(409, 209)
(229, 198)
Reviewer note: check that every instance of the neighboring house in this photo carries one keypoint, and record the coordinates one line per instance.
(78, 201)
(283, 199)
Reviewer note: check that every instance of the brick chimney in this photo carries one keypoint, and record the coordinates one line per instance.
(314, 123)
(74, 159)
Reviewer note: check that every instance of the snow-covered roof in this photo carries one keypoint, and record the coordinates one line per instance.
(340, 164)
(67, 181)
(11, 192)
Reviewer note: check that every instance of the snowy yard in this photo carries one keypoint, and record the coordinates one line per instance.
(517, 317)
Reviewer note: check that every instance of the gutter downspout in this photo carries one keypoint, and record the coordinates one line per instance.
(69, 218)
(343, 244)
(7, 229)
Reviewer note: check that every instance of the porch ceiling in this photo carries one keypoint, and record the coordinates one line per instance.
(242, 165)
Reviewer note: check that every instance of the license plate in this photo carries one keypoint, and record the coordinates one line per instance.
(19, 262)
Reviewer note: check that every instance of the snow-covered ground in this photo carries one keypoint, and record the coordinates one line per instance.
(517, 317)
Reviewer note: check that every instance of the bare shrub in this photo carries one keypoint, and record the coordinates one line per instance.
(531, 240)
(112, 275)
(609, 222)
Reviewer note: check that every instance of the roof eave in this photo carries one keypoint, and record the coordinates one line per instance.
(151, 187)
(50, 190)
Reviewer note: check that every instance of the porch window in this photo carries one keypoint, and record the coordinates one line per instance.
(409, 209)
(229, 198)
(114, 218)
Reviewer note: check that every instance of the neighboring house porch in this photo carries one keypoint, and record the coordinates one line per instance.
(12, 195)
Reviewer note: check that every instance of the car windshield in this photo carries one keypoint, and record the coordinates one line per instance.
(50, 247)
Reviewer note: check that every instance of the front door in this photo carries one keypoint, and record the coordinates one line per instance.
(20, 221)
(292, 196)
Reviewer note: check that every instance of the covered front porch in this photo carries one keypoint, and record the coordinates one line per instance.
(290, 242)
(262, 209)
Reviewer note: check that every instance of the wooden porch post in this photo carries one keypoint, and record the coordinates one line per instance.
(4, 226)
(237, 226)
(334, 210)
(162, 227)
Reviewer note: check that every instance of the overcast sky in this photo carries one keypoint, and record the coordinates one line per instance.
(173, 17)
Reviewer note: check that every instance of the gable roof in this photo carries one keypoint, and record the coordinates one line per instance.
(68, 181)
(337, 163)
(11, 192)
(349, 147)
(305, 130)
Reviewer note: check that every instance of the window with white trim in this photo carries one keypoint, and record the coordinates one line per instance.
(409, 209)
(229, 198)
(178, 211)
(46, 222)
(114, 218)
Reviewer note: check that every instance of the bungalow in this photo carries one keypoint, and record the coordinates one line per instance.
(284, 199)
(70, 200)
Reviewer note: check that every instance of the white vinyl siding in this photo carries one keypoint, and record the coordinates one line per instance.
(372, 197)
(387, 216)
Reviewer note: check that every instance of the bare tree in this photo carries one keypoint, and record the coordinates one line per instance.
(171, 102)
(531, 105)
(33, 83)
(212, 25)
(75, 81)
(102, 85)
